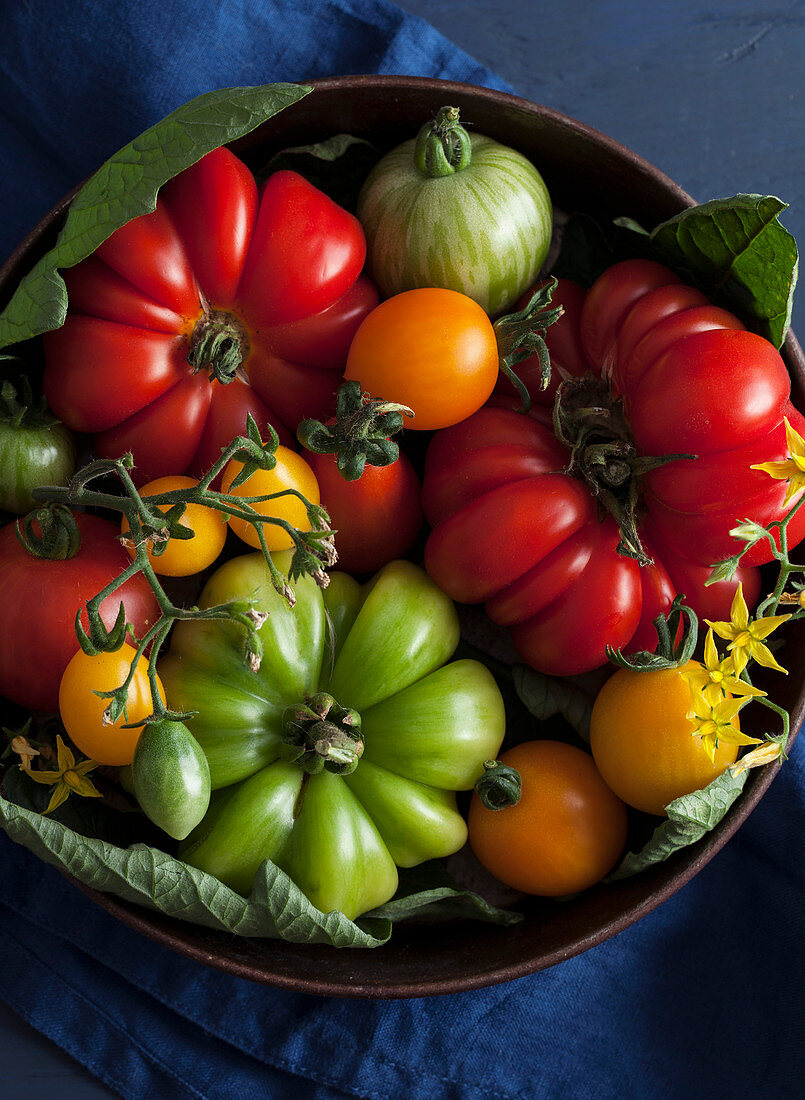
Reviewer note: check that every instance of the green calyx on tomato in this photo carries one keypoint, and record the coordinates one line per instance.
(499, 786)
(592, 425)
(677, 635)
(442, 146)
(320, 733)
(218, 345)
(380, 651)
(458, 211)
(50, 533)
(359, 433)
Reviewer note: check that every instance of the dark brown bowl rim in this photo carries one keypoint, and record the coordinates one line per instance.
(178, 937)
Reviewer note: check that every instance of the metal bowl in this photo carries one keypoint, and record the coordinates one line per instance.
(583, 170)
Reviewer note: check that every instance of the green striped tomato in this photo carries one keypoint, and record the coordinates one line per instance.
(482, 228)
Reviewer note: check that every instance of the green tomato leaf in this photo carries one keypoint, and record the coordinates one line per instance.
(734, 250)
(738, 253)
(546, 696)
(589, 248)
(127, 186)
(430, 890)
(337, 166)
(275, 909)
(689, 819)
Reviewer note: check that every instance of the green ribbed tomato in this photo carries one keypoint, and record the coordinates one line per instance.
(339, 758)
(451, 210)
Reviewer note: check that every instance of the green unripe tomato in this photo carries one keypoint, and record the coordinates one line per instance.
(457, 211)
(35, 449)
(171, 778)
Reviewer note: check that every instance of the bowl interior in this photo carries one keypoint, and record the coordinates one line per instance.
(583, 170)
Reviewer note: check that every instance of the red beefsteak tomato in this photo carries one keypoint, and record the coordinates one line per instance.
(219, 303)
(40, 598)
(651, 369)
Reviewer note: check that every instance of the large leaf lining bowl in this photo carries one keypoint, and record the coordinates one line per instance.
(584, 170)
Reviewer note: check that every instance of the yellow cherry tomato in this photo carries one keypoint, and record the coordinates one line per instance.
(183, 557)
(82, 711)
(291, 472)
(644, 744)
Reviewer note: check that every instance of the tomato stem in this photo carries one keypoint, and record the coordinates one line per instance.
(150, 529)
(442, 147)
(669, 653)
(321, 734)
(57, 537)
(522, 334)
(593, 426)
(218, 344)
(500, 786)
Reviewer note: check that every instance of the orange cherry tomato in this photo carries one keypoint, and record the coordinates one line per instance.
(291, 472)
(564, 834)
(82, 711)
(430, 349)
(183, 557)
(645, 745)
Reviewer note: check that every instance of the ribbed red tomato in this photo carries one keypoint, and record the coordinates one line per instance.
(674, 375)
(219, 303)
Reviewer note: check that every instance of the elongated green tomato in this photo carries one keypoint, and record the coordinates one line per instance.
(457, 211)
(171, 777)
(349, 741)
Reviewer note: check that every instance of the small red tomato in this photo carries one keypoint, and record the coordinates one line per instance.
(376, 518)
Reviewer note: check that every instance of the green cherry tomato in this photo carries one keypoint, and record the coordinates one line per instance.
(339, 758)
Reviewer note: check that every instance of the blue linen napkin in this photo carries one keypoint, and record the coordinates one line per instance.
(702, 997)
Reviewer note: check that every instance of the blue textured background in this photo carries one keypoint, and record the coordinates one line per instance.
(702, 997)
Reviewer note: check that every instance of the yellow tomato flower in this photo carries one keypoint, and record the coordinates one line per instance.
(715, 678)
(770, 752)
(68, 778)
(745, 637)
(792, 469)
(715, 723)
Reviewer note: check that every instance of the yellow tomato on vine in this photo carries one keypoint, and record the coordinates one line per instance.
(183, 557)
(647, 747)
(290, 472)
(83, 712)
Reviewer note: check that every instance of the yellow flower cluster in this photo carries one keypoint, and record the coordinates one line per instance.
(792, 469)
(717, 689)
(67, 778)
